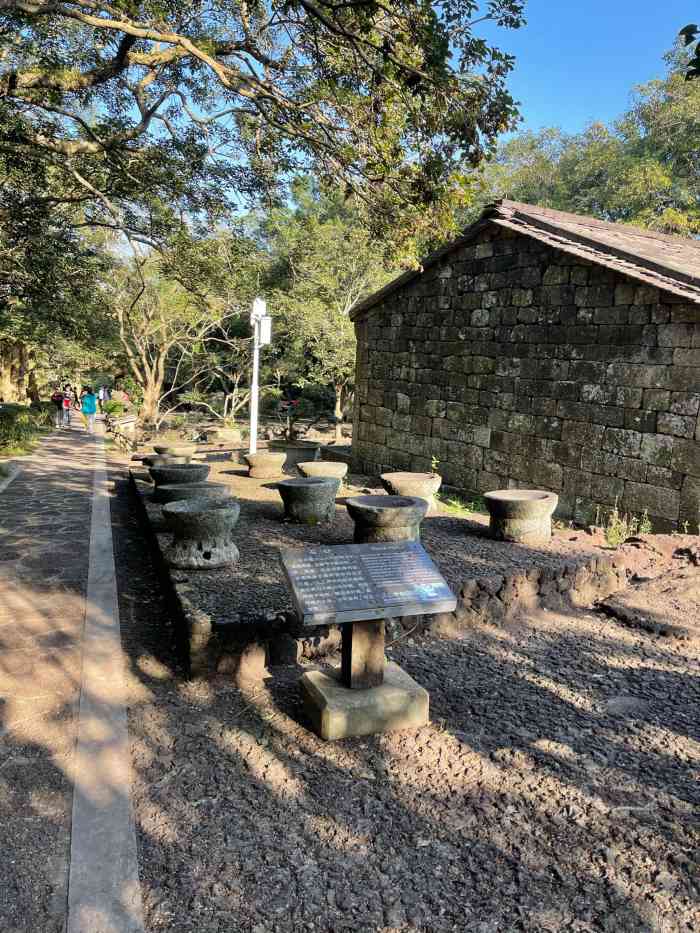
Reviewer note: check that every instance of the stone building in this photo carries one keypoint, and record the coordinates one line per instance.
(543, 349)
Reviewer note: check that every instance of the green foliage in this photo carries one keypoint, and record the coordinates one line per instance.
(221, 102)
(323, 260)
(621, 526)
(43, 413)
(113, 408)
(19, 428)
(461, 507)
(642, 169)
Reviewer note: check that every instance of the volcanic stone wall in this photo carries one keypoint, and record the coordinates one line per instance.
(511, 363)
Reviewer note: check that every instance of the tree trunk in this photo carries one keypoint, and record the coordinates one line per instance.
(338, 413)
(150, 404)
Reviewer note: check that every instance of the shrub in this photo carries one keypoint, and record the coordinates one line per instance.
(43, 413)
(19, 427)
(619, 527)
(113, 408)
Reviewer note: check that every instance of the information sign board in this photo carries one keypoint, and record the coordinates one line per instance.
(355, 582)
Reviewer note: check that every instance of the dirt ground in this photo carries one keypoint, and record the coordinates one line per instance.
(556, 788)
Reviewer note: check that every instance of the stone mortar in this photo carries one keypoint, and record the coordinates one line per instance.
(164, 460)
(213, 626)
(202, 533)
(309, 501)
(521, 515)
(176, 450)
(179, 491)
(323, 468)
(295, 453)
(265, 464)
(386, 518)
(169, 475)
(423, 485)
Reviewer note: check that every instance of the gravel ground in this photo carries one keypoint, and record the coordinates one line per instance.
(556, 787)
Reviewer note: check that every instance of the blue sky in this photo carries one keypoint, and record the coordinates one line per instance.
(577, 60)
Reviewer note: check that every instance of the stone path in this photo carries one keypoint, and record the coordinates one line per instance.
(47, 571)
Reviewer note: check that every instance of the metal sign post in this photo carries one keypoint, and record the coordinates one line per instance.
(262, 331)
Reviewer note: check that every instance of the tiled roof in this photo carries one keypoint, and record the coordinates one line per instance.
(670, 263)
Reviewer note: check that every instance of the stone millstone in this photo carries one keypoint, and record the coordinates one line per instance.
(181, 491)
(323, 468)
(386, 518)
(309, 501)
(176, 450)
(337, 712)
(265, 464)
(521, 515)
(202, 533)
(422, 485)
(170, 474)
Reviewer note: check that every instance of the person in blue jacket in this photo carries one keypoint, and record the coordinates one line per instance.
(88, 407)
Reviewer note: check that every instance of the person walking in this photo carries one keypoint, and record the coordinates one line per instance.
(57, 400)
(89, 407)
(101, 399)
(67, 402)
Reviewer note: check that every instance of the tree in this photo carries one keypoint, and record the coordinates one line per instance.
(323, 261)
(145, 113)
(690, 35)
(161, 327)
(642, 169)
(182, 317)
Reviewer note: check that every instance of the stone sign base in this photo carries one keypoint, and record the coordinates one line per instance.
(338, 712)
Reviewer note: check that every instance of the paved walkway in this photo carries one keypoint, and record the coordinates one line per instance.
(58, 640)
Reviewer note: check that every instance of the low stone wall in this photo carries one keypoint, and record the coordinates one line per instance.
(496, 598)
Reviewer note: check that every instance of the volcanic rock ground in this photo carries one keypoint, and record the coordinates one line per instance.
(556, 787)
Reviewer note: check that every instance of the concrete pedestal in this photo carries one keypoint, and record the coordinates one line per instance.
(338, 712)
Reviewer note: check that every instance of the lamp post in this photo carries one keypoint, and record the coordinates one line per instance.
(261, 323)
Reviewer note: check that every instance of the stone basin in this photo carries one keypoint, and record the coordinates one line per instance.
(386, 518)
(324, 468)
(176, 450)
(163, 460)
(180, 491)
(295, 452)
(422, 485)
(309, 501)
(521, 515)
(169, 474)
(265, 464)
(202, 533)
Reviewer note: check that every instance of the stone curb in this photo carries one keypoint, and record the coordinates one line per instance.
(103, 888)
